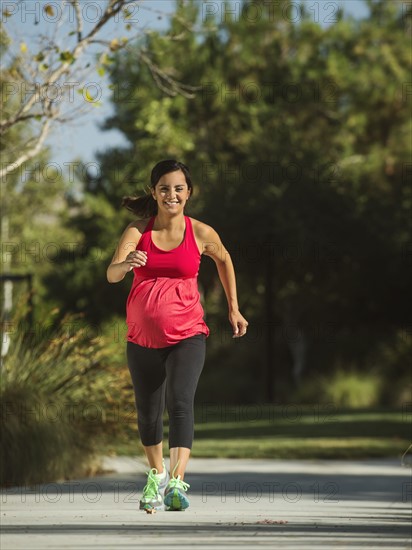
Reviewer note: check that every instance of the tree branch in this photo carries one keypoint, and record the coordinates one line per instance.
(31, 153)
(5, 126)
(79, 19)
(57, 61)
(175, 87)
(110, 12)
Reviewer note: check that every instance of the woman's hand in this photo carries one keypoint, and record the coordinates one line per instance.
(136, 258)
(238, 323)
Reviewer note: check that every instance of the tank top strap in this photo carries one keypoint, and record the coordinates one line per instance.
(145, 240)
(190, 236)
(149, 225)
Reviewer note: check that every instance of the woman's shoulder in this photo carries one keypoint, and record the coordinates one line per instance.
(204, 232)
(139, 225)
(210, 241)
(201, 229)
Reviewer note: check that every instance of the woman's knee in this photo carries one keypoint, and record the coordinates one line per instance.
(180, 408)
(150, 413)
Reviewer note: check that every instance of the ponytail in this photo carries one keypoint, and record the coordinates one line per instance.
(142, 207)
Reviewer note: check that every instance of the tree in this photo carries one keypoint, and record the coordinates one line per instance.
(48, 79)
(288, 133)
(82, 270)
(45, 76)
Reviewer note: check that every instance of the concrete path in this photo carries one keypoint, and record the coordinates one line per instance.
(233, 504)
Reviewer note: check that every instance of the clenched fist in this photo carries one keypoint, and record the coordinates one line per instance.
(137, 258)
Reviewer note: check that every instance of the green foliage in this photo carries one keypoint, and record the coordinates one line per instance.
(33, 200)
(348, 388)
(393, 359)
(36, 449)
(80, 264)
(297, 136)
(55, 388)
(290, 431)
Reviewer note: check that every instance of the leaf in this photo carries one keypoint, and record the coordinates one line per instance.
(48, 10)
(67, 57)
(101, 71)
(114, 45)
(88, 97)
(23, 47)
(272, 522)
(106, 59)
(39, 57)
(43, 67)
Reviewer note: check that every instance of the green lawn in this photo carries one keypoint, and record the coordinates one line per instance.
(251, 432)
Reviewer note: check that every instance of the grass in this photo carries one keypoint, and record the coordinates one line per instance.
(261, 447)
(241, 433)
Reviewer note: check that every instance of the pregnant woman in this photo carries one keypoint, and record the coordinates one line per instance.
(166, 332)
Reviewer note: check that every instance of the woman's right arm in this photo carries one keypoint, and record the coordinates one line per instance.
(126, 257)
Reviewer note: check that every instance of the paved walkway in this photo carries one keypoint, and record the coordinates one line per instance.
(233, 503)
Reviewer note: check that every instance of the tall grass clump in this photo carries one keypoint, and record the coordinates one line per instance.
(351, 388)
(345, 386)
(382, 380)
(55, 388)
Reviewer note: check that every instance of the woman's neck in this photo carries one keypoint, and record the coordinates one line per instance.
(169, 222)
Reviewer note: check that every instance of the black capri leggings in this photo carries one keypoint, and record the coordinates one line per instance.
(166, 375)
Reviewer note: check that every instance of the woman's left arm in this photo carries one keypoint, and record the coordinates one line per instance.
(212, 246)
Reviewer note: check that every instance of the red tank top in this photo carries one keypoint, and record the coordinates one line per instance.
(163, 305)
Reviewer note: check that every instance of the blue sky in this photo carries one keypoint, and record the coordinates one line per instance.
(82, 139)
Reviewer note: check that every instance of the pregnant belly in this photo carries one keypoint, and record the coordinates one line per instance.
(162, 311)
(162, 300)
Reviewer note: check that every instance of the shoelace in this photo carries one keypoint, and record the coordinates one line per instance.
(176, 482)
(152, 486)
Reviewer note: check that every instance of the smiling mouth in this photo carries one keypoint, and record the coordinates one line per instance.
(169, 202)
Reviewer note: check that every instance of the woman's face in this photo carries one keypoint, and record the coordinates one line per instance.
(171, 192)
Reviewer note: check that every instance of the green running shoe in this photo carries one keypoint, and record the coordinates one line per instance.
(174, 495)
(151, 497)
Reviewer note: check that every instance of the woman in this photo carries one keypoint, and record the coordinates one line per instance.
(166, 333)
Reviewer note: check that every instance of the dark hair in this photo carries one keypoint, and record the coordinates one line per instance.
(145, 206)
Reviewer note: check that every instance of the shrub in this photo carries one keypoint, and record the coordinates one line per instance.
(394, 360)
(55, 387)
(351, 388)
(343, 387)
